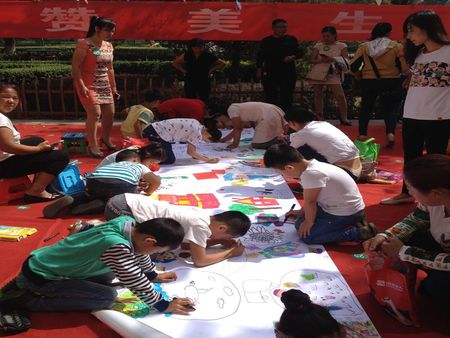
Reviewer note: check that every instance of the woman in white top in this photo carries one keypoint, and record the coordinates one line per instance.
(29, 156)
(267, 119)
(426, 116)
(322, 141)
(323, 55)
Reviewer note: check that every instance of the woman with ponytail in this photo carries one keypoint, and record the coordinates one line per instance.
(93, 75)
(304, 319)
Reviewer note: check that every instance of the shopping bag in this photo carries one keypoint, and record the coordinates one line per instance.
(393, 286)
(368, 152)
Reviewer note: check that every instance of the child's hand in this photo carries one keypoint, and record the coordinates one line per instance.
(238, 250)
(180, 306)
(304, 229)
(232, 146)
(166, 277)
(143, 185)
(44, 146)
(212, 160)
(391, 247)
(295, 214)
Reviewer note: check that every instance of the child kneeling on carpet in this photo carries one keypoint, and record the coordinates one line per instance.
(149, 154)
(182, 130)
(304, 319)
(423, 237)
(105, 182)
(201, 229)
(333, 208)
(74, 273)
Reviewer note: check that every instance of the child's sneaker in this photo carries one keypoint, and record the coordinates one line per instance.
(53, 209)
(366, 230)
(80, 226)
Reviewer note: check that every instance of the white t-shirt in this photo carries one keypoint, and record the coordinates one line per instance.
(428, 95)
(439, 225)
(179, 130)
(111, 158)
(195, 221)
(5, 122)
(340, 195)
(327, 140)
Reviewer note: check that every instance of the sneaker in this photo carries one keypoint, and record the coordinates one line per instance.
(92, 207)
(14, 321)
(366, 230)
(80, 226)
(53, 209)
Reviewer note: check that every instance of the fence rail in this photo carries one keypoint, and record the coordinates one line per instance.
(56, 98)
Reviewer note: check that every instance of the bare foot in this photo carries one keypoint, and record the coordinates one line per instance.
(398, 199)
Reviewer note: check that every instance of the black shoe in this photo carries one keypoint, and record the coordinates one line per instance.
(110, 147)
(14, 321)
(53, 209)
(37, 199)
(92, 207)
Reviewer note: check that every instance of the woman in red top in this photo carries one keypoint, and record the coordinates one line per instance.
(93, 75)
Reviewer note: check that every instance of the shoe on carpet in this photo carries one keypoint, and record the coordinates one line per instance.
(395, 201)
(13, 321)
(37, 199)
(80, 226)
(366, 230)
(92, 207)
(53, 209)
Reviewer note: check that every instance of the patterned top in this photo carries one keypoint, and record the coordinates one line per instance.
(94, 72)
(125, 171)
(179, 130)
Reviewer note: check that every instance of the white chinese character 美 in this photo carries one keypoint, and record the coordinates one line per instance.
(354, 24)
(71, 19)
(206, 20)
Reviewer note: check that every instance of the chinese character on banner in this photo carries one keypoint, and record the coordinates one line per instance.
(76, 19)
(206, 20)
(355, 24)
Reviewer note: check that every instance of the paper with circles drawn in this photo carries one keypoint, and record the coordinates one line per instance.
(239, 297)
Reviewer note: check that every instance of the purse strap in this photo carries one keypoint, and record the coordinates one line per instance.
(374, 67)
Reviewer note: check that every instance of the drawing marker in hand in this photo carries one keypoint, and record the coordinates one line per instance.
(286, 217)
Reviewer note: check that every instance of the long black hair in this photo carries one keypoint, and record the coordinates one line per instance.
(380, 30)
(100, 22)
(432, 24)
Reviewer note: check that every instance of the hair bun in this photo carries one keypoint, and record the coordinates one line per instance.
(295, 300)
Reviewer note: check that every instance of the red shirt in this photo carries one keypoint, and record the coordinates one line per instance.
(183, 108)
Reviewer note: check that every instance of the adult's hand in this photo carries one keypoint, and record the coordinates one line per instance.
(374, 244)
(44, 146)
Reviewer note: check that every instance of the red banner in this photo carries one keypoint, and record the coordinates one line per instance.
(207, 20)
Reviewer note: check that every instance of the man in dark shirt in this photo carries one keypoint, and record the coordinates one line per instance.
(197, 65)
(276, 65)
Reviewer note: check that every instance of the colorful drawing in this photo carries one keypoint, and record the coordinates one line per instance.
(205, 201)
(251, 164)
(267, 218)
(360, 330)
(257, 201)
(260, 234)
(165, 257)
(131, 305)
(174, 177)
(283, 250)
(209, 175)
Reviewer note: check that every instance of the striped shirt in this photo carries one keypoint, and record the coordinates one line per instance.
(126, 171)
(135, 272)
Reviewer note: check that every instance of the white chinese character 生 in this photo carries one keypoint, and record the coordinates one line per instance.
(76, 19)
(206, 20)
(355, 24)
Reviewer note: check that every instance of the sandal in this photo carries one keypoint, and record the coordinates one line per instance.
(110, 147)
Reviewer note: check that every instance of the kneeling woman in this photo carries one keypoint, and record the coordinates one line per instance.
(423, 237)
(28, 156)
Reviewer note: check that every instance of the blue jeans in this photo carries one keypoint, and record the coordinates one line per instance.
(67, 295)
(328, 228)
(153, 136)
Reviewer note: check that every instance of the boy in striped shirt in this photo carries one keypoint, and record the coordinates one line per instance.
(71, 275)
(127, 175)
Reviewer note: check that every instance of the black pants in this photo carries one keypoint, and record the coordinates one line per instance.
(153, 136)
(390, 93)
(279, 89)
(51, 162)
(197, 89)
(433, 135)
(436, 284)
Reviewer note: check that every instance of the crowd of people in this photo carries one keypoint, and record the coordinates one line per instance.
(74, 273)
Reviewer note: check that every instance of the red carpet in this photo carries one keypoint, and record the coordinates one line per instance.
(435, 322)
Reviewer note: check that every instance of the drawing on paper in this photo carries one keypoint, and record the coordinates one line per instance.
(205, 201)
(360, 329)
(325, 288)
(256, 290)
(257, 201)
(214, 295)
(165, 257)
(283, 250)
(260, 234)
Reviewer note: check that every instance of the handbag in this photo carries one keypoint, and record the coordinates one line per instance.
(393, 287)
(319, 72)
